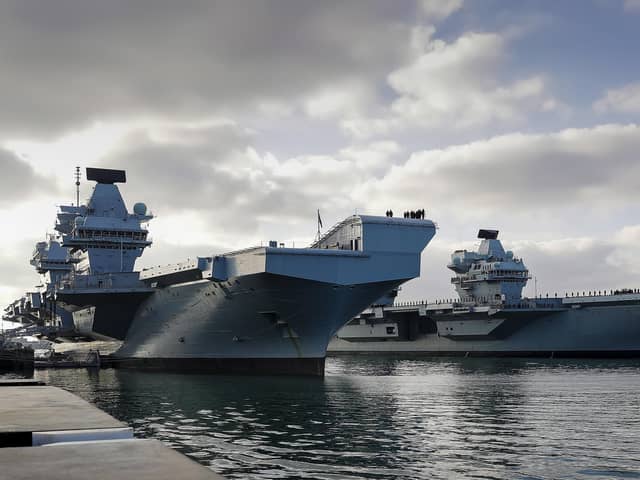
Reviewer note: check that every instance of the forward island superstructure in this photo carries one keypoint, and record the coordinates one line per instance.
(492, 318)
(258, 310)
(106, 239)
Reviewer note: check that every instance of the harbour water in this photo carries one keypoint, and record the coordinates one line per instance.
(389, 418)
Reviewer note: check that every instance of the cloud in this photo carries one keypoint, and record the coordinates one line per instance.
(583, 263)
(560, 266)
(592, 167)
(218, 189)
(213, 181)
(455, 85)
(625, 99)
(337, 101)
(623, 257)
(632, 5)
(209, 184)
(375, 159)
(230, 119)
(68, 63)
(212, 190)
(19, 181)
(439, 9)
(17, 276)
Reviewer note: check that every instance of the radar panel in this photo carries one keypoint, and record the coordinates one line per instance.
(106, 175)
(488, 234)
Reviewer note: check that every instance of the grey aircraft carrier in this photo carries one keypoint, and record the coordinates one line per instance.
(267, 309)
(491, 318)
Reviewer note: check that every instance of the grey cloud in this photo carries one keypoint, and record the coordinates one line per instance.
(625, 99)
(229, 186)
(177, 174)
(69, 62)
(17, 275)
(18, 181)
(589, 167)
(522, 182)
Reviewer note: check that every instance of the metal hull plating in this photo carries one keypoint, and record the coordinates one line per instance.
(253, 323)
(104, 315)
(588, 331)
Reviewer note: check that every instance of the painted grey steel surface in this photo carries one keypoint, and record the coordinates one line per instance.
(601, 331)
(254, 316)
(270, 303)
(277, 303)
(492, 318)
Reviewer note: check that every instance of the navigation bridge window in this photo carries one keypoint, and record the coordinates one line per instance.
(124, 234)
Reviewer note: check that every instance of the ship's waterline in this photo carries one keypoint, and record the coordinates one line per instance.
(261, 316)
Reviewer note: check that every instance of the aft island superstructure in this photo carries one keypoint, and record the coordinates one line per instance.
(491, 318)
(259, 310)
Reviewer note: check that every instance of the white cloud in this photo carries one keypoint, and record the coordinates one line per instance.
(342, 100)
(535, 172)
(455, 85)
(624, 257)
(439, 9)
(625, 99)
(375, 158)
(632, 5)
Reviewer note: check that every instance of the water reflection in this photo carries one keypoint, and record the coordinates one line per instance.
(376, 417)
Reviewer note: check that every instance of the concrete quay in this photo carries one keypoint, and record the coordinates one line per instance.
(47, 432)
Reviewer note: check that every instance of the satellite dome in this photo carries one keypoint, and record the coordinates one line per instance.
(140, 209)
(78, 221)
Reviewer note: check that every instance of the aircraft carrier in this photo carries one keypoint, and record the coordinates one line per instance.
(267, 309)
(491, 318)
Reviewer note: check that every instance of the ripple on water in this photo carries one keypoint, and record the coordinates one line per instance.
(390, 418)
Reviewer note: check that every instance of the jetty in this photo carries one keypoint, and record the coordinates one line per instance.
(47, 432)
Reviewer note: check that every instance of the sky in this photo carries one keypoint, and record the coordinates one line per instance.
(237, 120)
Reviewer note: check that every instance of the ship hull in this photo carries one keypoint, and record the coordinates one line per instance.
(599, 331)
(104, 315)
(258, 310)
(259, 323)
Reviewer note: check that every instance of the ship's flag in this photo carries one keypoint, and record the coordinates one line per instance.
(319, 219)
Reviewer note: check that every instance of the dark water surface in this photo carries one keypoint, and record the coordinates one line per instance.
(389, 418)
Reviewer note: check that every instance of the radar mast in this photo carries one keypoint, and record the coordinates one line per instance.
(77, 175)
